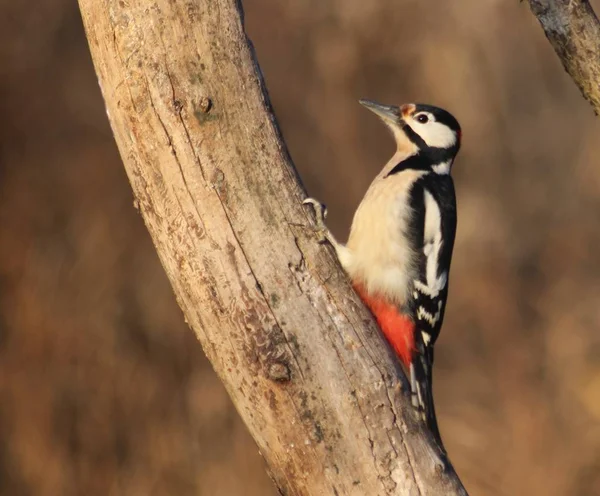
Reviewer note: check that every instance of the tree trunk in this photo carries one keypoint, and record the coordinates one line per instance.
(573, 29)
(297, 351)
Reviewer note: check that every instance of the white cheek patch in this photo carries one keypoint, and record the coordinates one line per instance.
(435, 134)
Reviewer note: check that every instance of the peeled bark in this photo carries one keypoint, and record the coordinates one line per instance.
(297, 351)
(573, 29)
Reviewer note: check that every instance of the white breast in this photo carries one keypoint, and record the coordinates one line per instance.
(381, 260)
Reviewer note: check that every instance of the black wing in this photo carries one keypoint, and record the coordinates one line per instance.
(434, 227)
(438, 217)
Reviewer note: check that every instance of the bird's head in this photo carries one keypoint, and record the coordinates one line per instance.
(430, 132)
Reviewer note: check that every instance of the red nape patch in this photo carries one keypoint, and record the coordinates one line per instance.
(398, 329)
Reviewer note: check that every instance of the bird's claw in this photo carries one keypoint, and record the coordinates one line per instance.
(320, 215)
(320, 211)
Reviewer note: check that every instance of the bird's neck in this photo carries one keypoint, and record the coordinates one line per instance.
(438, 160)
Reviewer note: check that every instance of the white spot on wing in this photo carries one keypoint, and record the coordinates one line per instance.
(426, 290)
(428, 249)
(442, 168)
(423, 314)
(433, 241)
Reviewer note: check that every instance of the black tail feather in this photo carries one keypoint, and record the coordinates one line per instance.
(423, 369)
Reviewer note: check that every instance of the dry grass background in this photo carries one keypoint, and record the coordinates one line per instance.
(104, 390)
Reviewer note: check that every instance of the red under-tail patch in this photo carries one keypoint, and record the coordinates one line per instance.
(398, 329)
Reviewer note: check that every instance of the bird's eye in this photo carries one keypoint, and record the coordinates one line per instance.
(422, 118)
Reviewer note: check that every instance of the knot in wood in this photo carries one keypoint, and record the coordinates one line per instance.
(205, 104)
(218, 179)
(279, 372)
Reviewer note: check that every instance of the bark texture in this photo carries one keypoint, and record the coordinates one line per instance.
(297, 351)
(573, 29)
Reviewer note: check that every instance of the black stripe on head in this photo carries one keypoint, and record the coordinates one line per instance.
(413, 136)
(425, 158)
(438, 155)
(418, 161)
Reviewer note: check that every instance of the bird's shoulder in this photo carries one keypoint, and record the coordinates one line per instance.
(440, 187)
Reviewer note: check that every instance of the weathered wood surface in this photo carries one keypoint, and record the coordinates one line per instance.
(573, 29)
(297, 351)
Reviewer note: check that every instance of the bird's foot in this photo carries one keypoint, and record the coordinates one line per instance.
(320, 215)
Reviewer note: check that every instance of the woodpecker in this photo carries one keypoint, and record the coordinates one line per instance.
(400, 245)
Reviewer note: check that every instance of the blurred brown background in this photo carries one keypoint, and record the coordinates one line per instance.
(104, 390)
